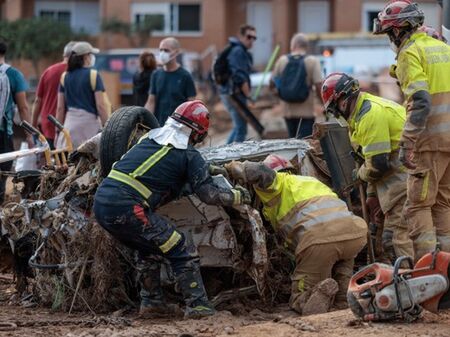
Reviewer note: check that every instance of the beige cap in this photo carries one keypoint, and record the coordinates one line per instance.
(82, 48)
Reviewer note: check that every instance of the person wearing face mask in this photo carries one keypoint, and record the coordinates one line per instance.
(81, 105)
(423, 65)
(375, 125)
(171, 85)
(238, 87)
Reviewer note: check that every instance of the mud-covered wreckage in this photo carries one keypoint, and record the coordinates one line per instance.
(63, 259)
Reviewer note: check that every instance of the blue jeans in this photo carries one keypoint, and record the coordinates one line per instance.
(239, 131)
(305, 130)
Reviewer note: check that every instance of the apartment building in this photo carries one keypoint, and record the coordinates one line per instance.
(202, 24)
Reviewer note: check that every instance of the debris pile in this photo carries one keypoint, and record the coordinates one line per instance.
(76, 264)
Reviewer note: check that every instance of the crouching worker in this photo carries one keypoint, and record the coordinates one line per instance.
(315, 224)
(376, 125)
(149, 175)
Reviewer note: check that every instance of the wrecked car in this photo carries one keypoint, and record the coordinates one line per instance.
(63, 259)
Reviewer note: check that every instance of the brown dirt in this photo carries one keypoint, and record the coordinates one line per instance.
(19, 321)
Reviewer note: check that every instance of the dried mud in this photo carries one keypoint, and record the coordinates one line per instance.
(18, 321)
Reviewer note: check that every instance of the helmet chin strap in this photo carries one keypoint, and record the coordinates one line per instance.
(402, 36)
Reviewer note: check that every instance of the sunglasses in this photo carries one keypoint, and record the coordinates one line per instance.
(251, 37)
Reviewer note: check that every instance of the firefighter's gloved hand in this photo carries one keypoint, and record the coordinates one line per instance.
(406, 157)
(236, 171)
(355, 176)
(241, 195)
(216, 169)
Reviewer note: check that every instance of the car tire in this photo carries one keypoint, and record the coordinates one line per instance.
(115, 139)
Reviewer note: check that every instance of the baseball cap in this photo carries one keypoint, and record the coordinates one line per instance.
(82, 48)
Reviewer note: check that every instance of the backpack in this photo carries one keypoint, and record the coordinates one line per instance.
(5, 90)
(292, 85)
(93, 80)
(221, 71)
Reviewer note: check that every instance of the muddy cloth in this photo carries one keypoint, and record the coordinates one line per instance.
(319, 262)
(315, 224)
(423, 65)
(376, 125)
(167, 177)
(427, 209)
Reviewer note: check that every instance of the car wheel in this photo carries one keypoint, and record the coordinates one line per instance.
(123, 129)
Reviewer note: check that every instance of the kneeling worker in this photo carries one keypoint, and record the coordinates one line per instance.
(316, 225)
(149, 175)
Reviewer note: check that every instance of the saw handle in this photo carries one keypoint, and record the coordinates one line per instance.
(55, 122)
(30, 129)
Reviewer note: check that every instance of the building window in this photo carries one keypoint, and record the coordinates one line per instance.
(188, 18)
(168, 18)
(60, 16)
(155, 21)
(313, 16)
(371, 15)
(79, 15)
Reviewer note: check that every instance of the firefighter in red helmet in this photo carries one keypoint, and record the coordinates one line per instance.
(150, 174)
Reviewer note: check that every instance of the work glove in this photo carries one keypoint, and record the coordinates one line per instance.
(406, 156)
(355, 176)
(217, 169)
(241, 196)
(236, 171)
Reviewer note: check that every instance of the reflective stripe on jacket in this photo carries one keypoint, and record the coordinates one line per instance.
(376, 125)
(424, 64)
(306, 212)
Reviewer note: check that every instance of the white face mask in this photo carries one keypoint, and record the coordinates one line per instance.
(393, 47)
(92, 60)
(164, 57)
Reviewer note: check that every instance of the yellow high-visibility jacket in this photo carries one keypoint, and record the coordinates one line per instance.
(423, 64)
(376, 124)
(305, 212)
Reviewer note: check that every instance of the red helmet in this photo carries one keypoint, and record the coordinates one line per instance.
(277, 163)
(336, 86)
(195, 115)
(432, 32)
(398, 14)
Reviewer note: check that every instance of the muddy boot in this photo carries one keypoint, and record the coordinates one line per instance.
(322, 296)
(153, 303)
(193, 290)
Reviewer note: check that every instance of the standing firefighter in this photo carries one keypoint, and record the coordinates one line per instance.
(149, 175)
(423, 68)
(315, 224)
(376, 125)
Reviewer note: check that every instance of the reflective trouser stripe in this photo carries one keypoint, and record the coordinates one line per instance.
(440, 109)
(172, 242)
(288, 225)
(236, 197)
(152, 160)
(130, 181)
(424, 192)
(381, 146)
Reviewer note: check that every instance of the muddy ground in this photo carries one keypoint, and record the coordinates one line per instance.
(20, 321)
